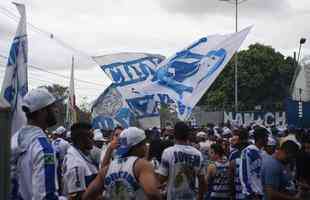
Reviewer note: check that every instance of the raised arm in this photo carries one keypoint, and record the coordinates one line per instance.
(146, 177)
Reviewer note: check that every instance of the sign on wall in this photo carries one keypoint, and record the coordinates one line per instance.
(264, 118)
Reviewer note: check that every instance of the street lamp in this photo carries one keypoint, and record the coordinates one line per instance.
(236, 2)
(301, 42)
(300, 104)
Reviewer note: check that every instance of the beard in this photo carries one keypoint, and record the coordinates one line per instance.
(51, 119)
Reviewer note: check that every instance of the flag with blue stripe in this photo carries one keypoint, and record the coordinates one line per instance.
(15, 82)
(188, 74)
(120, 103)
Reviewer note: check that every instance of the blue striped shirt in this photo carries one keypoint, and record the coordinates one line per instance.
(251, 171)
(235, 156)
(220, 187)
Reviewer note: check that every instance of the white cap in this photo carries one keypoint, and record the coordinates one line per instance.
(37, 99)
(60, 130)
(129, 138)
(201, 134)
(290, 138)
(68, 135)
(226, 131)
(98, 135)
(271, 141)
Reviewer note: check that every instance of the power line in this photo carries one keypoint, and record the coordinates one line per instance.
(59, 75)
(11, 15)
(34, 78)
(38, 81)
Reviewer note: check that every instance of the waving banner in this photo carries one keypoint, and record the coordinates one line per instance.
(15, 82)
(146, 81)
(120, 103)
(110, 110)
(186, 76)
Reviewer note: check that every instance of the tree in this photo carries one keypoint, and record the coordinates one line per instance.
(59, 91)
(84, 111)
(264, 78)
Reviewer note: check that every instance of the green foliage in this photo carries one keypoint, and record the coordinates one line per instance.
(83, 111)
(264, 78)
(58, 91)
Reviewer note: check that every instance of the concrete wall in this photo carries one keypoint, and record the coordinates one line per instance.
(149, 122)
(203, 117)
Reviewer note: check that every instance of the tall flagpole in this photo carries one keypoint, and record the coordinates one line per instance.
(71, 105)
(236, 64)
(14, 88)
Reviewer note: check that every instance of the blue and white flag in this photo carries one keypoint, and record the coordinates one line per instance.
(127, 71)
(110, 110)
(187, 75)
(15, 82)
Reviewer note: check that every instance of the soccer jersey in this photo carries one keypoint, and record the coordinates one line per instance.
(235, 156)
(220, 188)
(61, 146)
(78, 171)
(251, 171)
(120, 181)
(181, 164)
(34, 165)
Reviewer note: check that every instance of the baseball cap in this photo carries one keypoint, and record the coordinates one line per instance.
(68, 135)
(37, 99)
(226, 131)
(201, 134)
(129, 138)
(271, 141)
(98, 136)
(60, 130)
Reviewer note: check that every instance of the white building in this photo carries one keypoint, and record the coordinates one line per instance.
(301, 81)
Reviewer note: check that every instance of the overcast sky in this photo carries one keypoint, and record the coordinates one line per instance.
(100, 27)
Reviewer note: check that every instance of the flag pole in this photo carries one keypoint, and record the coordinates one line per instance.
(70, 110)
(13, 89)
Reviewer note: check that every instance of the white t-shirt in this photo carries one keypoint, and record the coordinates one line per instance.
(120, 181)
(61, 146)
(78, 171)
(181, 164)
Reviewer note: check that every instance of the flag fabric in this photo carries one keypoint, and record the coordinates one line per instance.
(187, 75)
(146, 81)
(127, 71)
(110, 109)
(15, 82)
(71, 116)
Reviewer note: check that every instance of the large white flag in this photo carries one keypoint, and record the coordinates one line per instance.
(187, 75)
(120, 102)
(15, 82)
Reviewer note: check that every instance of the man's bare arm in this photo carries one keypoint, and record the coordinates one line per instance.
(147, 179)
(108, 154)
(96, 187)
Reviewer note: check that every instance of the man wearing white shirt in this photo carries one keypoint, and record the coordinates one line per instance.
(250, 171)
(78, 167)
(181, 165)
(33, 158)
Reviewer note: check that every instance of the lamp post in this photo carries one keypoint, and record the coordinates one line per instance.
(300, 104)
(301, 42)
(236, 2)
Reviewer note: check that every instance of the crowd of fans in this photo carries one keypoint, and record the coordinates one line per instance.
(212, 163)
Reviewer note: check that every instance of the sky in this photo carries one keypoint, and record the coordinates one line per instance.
(62, 29)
